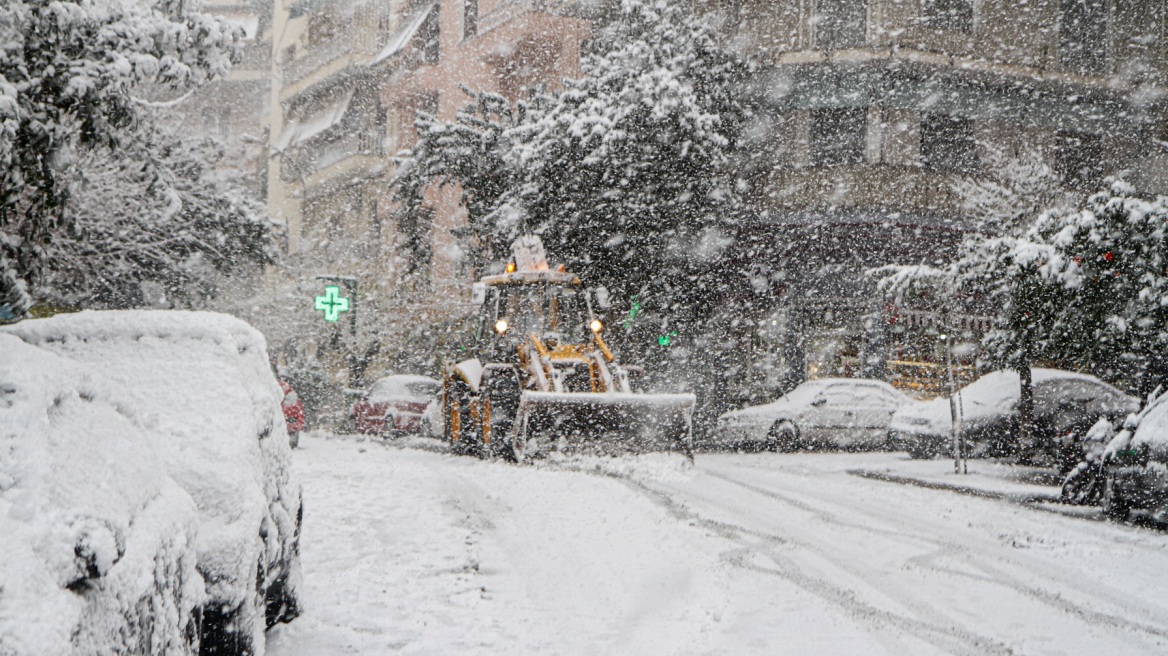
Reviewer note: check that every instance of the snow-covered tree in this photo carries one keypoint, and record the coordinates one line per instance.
(1109, 263)
(1086, 287)
(472, 152)
(154, 222)
(1019, 185)
(68, 69)
(628, 173)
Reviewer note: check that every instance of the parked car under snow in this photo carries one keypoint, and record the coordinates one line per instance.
(1135, 465)
(394, 405)
(1064, 401)
(208, 398)
(97, 542)
(847, 413)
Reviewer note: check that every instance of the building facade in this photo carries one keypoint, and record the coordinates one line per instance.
(889, 129)
(351, 76)
(884, 132)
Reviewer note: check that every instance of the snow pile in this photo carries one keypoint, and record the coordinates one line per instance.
(672, 467)
(97, 541)
(202, 385)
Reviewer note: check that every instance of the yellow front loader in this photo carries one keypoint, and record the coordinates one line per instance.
(544, 379)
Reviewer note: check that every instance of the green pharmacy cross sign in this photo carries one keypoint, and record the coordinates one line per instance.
(332, 303)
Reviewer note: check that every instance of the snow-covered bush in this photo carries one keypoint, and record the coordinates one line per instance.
(68, 69)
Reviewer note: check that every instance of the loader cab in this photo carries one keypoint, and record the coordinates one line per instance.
(558, 313)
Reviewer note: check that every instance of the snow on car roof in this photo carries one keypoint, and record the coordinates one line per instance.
(1153, 430)
(807, 390)
(992, 394)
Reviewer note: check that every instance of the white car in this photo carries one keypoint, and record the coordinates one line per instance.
(847, 413)
(97, 542)
(206, 394)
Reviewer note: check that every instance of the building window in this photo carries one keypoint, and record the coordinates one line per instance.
(947, 143)
(840, 23)
(953, 15)
(1080, 159)
(428, 36)
(1083, 35)
(470, 18)
(414, 246)
(838, 136)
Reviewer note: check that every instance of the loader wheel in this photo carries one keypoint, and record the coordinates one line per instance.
(461, 432)
(783, 437)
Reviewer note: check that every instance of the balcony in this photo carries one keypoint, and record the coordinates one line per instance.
(873, 190)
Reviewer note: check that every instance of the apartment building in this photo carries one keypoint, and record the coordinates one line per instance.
(877, 117)
(351, 76)
(234, 110)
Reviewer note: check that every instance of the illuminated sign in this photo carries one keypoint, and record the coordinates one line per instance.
(332, 303)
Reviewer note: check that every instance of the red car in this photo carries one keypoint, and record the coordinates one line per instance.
(293, 413)
(395, 405)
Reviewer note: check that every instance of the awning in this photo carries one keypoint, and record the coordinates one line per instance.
(297, 132)
(402, 38)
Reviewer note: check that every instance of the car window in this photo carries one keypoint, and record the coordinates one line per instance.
(423, 389)
(385, 387)
(1070, 391)
(838, 395)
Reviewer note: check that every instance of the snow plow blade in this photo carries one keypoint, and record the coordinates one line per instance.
(606, 423)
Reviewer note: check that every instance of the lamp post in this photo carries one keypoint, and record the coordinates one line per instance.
(960, 466)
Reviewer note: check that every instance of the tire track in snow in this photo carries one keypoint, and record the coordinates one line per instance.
(996, 576)
(948, 638)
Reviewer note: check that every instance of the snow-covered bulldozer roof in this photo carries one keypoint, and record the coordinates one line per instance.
(529, 265)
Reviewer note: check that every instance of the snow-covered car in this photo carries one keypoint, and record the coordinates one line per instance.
(1135, 465)
(1064, 401)
(205, 391)
(97, 542)
(394, 405)
(847, 413)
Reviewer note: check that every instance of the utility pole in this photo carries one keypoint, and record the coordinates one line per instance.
(960, 465)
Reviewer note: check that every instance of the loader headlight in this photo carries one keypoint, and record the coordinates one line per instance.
(501, 326)
(596, 326)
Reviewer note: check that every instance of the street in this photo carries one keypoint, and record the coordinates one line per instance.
(411, 550)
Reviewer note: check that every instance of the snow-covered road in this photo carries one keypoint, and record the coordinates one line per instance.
(414, 551)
